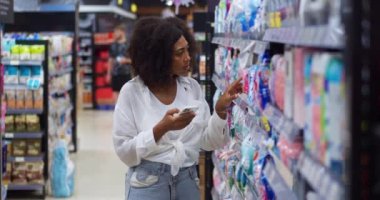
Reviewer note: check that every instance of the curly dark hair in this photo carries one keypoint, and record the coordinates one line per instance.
(151, 48)
(141, 37)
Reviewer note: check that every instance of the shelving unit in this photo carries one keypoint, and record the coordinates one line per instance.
(86, 55)
(23, 135)
(47, 20)
(39, 135)
(102, 90)
(358, 49)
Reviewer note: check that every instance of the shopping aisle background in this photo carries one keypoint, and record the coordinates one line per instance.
(99, 172)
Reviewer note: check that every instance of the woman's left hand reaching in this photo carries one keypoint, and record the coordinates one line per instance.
(232, 92)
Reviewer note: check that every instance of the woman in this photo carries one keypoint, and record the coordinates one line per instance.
(161, 146)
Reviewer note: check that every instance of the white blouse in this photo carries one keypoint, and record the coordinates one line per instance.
(137, 111)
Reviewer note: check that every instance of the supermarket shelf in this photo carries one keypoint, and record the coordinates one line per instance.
(26, 158)
(23, 111)
(88, 106)
(85, 63)
(32, 187)
(277, 182)
(245, 36)
(223, 176)
(106, 9)
(317, 175)
(315, 36)
(281, 123)
(62, 54)
(285, 173)
(276, 118)
(84, 54)
(23, 135)
(21, 62)
(61, 71)
(15, 87)
(87, 81)
(251, 186)
(256, 46)
(87, 71)
(85, 34)
(62, 91)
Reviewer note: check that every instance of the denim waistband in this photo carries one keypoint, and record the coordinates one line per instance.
(157, 166)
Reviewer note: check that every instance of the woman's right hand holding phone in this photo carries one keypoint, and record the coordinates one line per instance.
(172, 121)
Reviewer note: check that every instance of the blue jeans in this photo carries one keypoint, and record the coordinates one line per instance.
(152, 180)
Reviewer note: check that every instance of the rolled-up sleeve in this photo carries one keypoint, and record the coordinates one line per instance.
(215, 134)
(130, 145)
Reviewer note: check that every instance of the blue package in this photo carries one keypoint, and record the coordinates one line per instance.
(25, 74)
(62, 171)
(270, 195)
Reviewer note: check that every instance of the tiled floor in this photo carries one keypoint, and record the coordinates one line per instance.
(99, 172)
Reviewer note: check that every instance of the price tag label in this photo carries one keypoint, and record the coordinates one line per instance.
(15, 62)
(20, 159)
(9, 135)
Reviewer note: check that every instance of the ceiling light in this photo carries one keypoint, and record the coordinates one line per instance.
(169, 3)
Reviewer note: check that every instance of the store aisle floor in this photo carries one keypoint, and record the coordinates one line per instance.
(99, 172)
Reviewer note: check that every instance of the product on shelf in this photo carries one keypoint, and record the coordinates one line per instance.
(10, 123)
(7, 174)
(25, 74)
(33, 147)
(33, 123)
(37, 52)
(60, 44)
(20, 123)
(11, 74)
(29, 99)
(19, 173)
(38, 99)
(18, 147)
(34, 172)
(25, 52)
(20, 99)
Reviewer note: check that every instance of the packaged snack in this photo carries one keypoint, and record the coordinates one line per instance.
(6, 45)
(24, 52)
(19, 173)
(33, 123)
(20, 99)
(33, 148)
(19, 148)
(11, 74)
(29, 99)
(15, 52)
(9, 123)
(20, 123)
(34, 173)
(7, 175)
(10, 96)
(37, 52)
(25, 74)
(38, 99)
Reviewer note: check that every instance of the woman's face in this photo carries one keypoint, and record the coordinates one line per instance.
(181, 58)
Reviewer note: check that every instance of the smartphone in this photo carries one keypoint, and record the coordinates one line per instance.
(189, 109)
